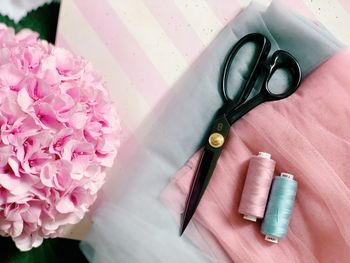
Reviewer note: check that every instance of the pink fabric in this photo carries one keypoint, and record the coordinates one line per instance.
(308, 134)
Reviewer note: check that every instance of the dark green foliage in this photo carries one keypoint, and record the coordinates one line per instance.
(51, 251)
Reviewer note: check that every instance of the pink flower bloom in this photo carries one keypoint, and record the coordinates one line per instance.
(96, 179)
(27, 37)
(10, 76)
(79, 154)
(9, 107)
(65, 61)
(57, 175)
(34, 163)
(46, 116)
(16, 185)
(106, 150)
(79, 197)
(31, 90)
(60, 140)
(26, 241)
(5, 153)
(33, 144)
(77, 120)
(21, 129)
(31, 57)
(70, 88)
(58, 134)
(63, 106)
(92, 131)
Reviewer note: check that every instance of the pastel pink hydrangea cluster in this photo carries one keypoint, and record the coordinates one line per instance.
(59, 132)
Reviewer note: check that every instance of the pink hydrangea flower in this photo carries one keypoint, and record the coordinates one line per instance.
(59, 133)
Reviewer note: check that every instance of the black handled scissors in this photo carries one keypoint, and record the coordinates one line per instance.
(233, 109)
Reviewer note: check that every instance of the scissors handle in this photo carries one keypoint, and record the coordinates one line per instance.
(280, 60)
(262, 47)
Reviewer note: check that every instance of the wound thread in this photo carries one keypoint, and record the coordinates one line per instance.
(257, 186)
(279, 207)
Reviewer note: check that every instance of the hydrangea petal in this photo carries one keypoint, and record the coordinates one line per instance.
(65, 205)
(5, 153)
(24, 100)
(10, 75)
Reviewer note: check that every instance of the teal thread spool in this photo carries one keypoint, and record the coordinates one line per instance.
(279, 207)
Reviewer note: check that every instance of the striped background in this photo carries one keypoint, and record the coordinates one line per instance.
(141, 47)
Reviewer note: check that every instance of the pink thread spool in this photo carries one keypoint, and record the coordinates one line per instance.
(257, 186)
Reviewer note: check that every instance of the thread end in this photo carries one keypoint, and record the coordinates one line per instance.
(287, 175)
(271, 239)
(250, 218)
(264, 155)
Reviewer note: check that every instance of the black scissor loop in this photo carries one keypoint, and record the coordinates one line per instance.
(283, 60)
(263, 47)
(280, 59)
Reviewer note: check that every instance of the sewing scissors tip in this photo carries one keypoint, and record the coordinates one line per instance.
(234, 109)
(184, 225)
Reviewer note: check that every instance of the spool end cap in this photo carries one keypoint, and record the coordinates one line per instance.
(264, 155)
(250, 218)
(271, 239)
(287, 175)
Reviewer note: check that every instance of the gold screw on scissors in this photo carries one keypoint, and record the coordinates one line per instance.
(216, 140)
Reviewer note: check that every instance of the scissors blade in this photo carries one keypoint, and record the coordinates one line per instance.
(199, 185)
(206, 167)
